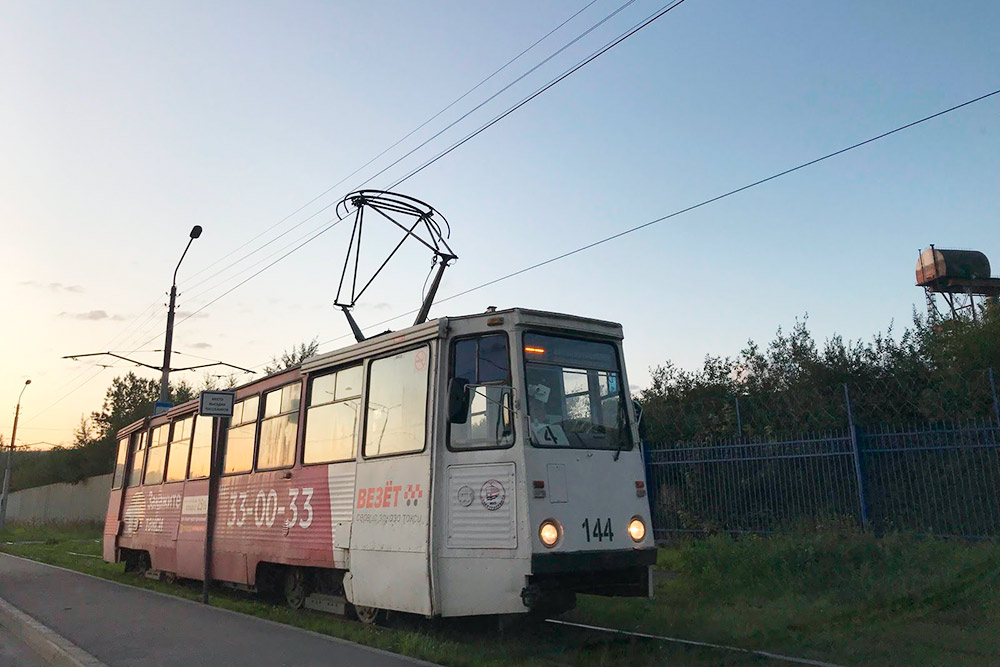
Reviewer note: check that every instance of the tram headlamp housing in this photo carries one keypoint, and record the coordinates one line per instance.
(637, 529)
(549, 533)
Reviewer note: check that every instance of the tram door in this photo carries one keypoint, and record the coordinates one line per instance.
(112, 519)
(389, 546)
(477, 489)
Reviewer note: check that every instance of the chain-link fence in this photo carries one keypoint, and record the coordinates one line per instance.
(890, 453)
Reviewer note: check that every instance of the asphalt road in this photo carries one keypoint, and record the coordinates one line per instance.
(126, 626)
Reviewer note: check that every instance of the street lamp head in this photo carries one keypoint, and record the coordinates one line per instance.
(27, 382)
(196, 231)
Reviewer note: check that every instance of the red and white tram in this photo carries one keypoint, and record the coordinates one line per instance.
(485, 464)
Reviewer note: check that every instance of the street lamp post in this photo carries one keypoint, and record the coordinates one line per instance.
(164, 403)
(10, 455)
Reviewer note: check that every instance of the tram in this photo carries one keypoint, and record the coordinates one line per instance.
(482, 464)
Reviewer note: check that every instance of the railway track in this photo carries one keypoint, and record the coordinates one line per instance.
(689, 642)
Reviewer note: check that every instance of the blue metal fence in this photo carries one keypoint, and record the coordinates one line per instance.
(940, 478)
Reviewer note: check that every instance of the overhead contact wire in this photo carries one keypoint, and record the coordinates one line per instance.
(369, 162)
(705, 202)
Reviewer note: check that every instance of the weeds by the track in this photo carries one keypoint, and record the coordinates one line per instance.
(837, 595)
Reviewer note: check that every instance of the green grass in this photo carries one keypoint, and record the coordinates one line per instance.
(836, 596)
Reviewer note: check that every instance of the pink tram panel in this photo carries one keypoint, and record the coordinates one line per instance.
(286, 515)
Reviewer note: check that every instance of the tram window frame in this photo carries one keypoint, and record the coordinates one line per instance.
(295, 409)
(118, 479)
(506, 382)
(209, 423)
(619, 369)
(137, 446)
(357, 433)
(246, 420)
(162, 442)
(174, 441)
(367, 396)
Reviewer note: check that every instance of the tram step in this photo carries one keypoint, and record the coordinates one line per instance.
(331, 604)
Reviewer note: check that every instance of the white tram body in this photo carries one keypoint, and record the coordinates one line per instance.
(463, 442)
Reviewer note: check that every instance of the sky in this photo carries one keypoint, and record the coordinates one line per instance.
(122, 125)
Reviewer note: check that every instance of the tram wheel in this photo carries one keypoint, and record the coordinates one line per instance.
(296, 589)
(368, 615)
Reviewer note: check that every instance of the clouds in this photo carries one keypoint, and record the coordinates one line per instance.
(200, 346)
(53, 287)
(91, 316)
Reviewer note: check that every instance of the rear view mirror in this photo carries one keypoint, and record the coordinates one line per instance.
(458, 401)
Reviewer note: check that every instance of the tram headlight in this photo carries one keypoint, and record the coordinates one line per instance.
(636, 529)
(549, 533)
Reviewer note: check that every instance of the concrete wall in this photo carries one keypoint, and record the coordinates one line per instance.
(85, 501)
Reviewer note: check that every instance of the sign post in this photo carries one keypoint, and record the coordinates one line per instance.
(217, 404)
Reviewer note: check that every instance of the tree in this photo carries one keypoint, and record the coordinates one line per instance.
(936, 370)
(181, 393)
(292, 357)
(128, 398)
(83, 435)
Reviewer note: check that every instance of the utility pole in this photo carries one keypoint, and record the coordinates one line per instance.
(10, 456)
(164, 403)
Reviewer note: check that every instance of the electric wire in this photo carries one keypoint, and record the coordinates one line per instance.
(76, 376)
(79, 381)
(593, 56)
(687, 209)
(505, 89)
(381, 154)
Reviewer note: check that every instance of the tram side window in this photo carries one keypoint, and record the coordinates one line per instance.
(280, 427)
(119, 477)
(485, 363)
(242, 433)
(332, 416)
(201, 448)
(397, 403)
(138, 458)
(180, 445)
(157, 454)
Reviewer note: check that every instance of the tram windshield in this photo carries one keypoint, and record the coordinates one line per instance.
(575, 393)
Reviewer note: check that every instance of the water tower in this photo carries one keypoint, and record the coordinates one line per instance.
(959, 275)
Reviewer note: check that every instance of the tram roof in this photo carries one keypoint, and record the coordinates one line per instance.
(437, 328)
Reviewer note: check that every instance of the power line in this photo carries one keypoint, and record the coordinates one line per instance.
(730, 193)
(254, 275)
(594, 56)
(607, 47)
(77, 377)
(369, 162)
(687, 209)
(505, 89)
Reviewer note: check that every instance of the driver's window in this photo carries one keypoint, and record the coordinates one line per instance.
(484, 363)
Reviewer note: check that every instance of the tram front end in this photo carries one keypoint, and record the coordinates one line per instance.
(587, 505)
(542, 483)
